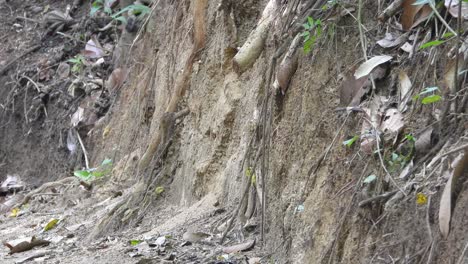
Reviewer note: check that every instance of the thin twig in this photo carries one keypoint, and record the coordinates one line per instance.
(377, 198)
(84, 149)
(8, 65)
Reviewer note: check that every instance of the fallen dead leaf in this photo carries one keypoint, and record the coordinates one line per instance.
(452, 6)
(239, 247)
(93, 50)
(413, 14)
(367, 67)
(423, 142)
(408, 48)
(405, 90)
(445, 210)
(194, 236)
(77, 117)
(392, 40)
(393, 121)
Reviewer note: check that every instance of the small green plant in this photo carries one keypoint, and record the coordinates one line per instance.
(93, 173)
(251, 175)
(136, 9)
(429, 99)
(98, 5)
(396, 161)
(348, 143)
(330, 4)
(309, 37)
(78, 63)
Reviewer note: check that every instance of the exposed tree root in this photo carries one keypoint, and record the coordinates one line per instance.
(138, 201)
(44, 187)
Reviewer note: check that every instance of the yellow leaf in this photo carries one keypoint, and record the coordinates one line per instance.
(421, 198)
(159, 190)
(106, 132)
(14, 212)
(52, 223)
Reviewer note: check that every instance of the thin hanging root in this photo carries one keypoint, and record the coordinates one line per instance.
(255, 43)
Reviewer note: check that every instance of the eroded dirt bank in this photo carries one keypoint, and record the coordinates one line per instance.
(201, 110)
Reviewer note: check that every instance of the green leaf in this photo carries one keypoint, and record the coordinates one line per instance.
(107, 10)
(308, 46)
(135, 242)
(74, 60)
(82, 174)
(431, 99)
(429, 90)
(248, 172)
(431, 44)
(448, 35)
(159, 190)
(121, 19)
(421, 2)
(410, 137)
(135, 9)
(106, 162)
(306, 26)
(394, 156)
(370, 178)
(310, 21)
(350, 141)
(51, 224)
(94, 10)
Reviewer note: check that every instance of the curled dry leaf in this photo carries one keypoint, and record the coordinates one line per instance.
(77, 117)
(367, 67)
(413, 14)
(392, 40)
(239, 247)
(452, 6)
(93, 50)
(459, 166)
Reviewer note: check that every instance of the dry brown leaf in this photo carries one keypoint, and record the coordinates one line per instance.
(413, 14)
(366, 68)
(423, 142)
(459, 165)
(392, 40)
(349, 88)
(452, 6)
(392, 122)
(407, 47)
(239, 247)
(77, 117)
(405, 90)
(93, 50)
